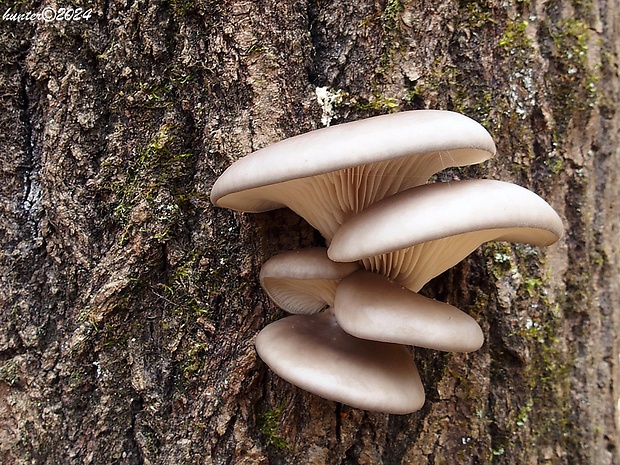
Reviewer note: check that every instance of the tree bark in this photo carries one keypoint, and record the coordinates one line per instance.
(130, 303)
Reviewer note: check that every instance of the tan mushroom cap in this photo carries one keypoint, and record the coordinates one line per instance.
(371, 306)
(303, 281)
(415, 235)
(327, 174)
(315, 354)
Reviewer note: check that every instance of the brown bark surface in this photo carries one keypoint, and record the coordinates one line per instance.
(129, 304)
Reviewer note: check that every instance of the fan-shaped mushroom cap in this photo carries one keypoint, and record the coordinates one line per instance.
(415, 235)
(327, 174)
(315, 354)
(303, 281)
(371, 306)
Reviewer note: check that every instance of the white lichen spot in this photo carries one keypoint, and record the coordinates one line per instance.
(97, 365)
(501, 257)
(328, 99)
(32, 193)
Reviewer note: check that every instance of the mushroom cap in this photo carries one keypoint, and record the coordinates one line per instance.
(371, 306)
(324, 175)
(415, 235)
(315, 354)
(303, 281)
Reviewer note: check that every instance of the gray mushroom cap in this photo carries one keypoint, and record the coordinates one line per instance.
(371, 306)
(415, 235)
(303, 281)
(315, 354)
(327, 174)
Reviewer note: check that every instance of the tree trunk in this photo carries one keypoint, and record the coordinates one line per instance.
(130, 303)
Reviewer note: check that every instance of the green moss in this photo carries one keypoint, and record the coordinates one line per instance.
(475, 102)
(474, 15)
(532, 285)
(514, 37)
(189, 288)
(390, 24)
(9, 373)
(574, 82)
(256, 47)
(182, 7)
(556, 165)
(542, 382)
(465, 93)
(439, 79)
(598, 258)
(391, 15)
(115, 337)
(524, 412)
(571, 39)
(547, 373)
(379, 103)
(158, 92)
(148, 193)
(194, 359)
(269, 424)
(500, 258)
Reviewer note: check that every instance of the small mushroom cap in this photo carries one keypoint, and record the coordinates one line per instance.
(315, 354)
(326, 174)
(303, 281)
(415, 235)
(371, 306)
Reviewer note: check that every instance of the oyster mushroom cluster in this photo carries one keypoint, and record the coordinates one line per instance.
(355, 304)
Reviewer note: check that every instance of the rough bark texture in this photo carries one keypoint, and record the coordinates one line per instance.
(129, 304)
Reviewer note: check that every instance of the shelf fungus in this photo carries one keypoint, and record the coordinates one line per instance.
(371, 306)
(416, 235)
(315, 354)
(356, 308)
(303, 281)
(329, 174)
